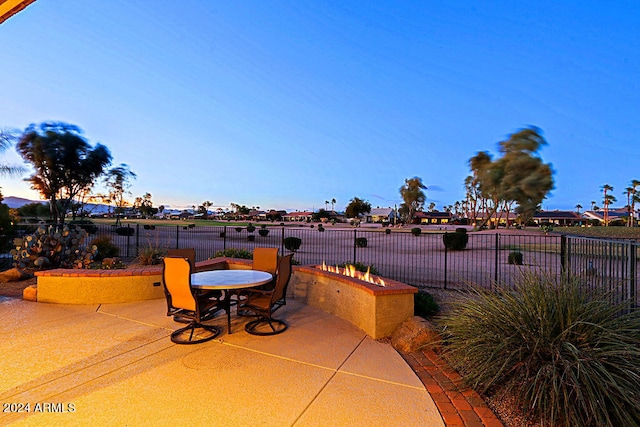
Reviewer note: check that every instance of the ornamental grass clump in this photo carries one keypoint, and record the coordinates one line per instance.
(568, 356)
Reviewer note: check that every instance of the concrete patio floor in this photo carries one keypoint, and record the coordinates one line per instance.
(116, 365)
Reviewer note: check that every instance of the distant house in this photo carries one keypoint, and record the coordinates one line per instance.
(297, 216)
(433, 218)
(615, 214)
(381, 215)
(563, 218)
(499, 218)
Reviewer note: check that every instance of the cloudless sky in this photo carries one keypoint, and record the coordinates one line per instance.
(286, 104)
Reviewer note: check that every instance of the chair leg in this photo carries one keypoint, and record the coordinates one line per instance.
(210, 332)
(259, 326)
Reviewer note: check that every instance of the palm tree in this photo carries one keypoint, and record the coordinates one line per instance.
(635, 198)
(578, 207)
(593, 205)
(333, 202)
(5, 142)
(628, 192)
(326, 205)
(607, 200)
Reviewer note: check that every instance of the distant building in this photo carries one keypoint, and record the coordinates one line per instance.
(432, 218)
(381, 215)
(562, 218)
(297, 216)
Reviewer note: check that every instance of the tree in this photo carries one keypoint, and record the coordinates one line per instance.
(607, 200)
(118, 181)
(333, 202)
(64, 162)
(578, 207)
(635, 198)
(326, 205)
(593, 205)
(412, 196)
(204, 208)
(144, 205)
(6, 137)
(33, 210)
(357, 207)
(518, 176)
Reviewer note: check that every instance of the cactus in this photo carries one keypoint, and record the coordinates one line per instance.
(48, 247)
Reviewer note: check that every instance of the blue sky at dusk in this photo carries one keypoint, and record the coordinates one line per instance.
(286, 104)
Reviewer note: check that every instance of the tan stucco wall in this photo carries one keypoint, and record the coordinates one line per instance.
(377, 315)
(98, 290)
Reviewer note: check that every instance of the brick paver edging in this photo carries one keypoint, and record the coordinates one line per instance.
(458, 404)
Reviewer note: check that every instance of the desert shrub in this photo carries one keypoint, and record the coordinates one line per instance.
(106, 249)
(151, 254)
(234, 253)
(515, 258)
(85, 224)
(263, 232)
(456, 241)
(416, 231)
(50, 248)
(320, 228)
(251, 228)
(424, 305)
(125, 231)
(387, 231)
(361, 242)
(292, 243)
(567, 355)
(546, 227)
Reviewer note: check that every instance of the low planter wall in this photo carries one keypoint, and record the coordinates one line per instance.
(377, 310)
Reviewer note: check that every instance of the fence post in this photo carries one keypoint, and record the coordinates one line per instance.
(445, 264)
(177, 237)
(496, 266)
(355, 244)
(564, 271)
(282, 242)
(128, 238)
(633, 259)
(224, 239)
(137, 239)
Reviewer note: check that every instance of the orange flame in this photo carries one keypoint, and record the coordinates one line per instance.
(349, 270)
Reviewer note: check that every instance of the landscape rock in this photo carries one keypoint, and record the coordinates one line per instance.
(415, 333)
(30, 293)
(12, 275)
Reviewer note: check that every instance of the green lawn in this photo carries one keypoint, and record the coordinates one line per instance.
(603, 232)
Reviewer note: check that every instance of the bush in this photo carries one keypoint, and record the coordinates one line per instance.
(416, 231)
(320, 228)
(263, 232)
(387, 231)
(251, 228)
(106, 249)
(568, 356)
(456, 241)
(125, 231)
(424, 304)
(251, 237)
(292, 243)
(85, 224)
(515, 258)
(234, 253)
(223, 234)
(361, 242)
(238, 229)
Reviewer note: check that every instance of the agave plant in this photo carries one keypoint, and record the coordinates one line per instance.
(569, 356)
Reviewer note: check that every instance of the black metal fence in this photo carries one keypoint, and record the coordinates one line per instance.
(421, 260)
